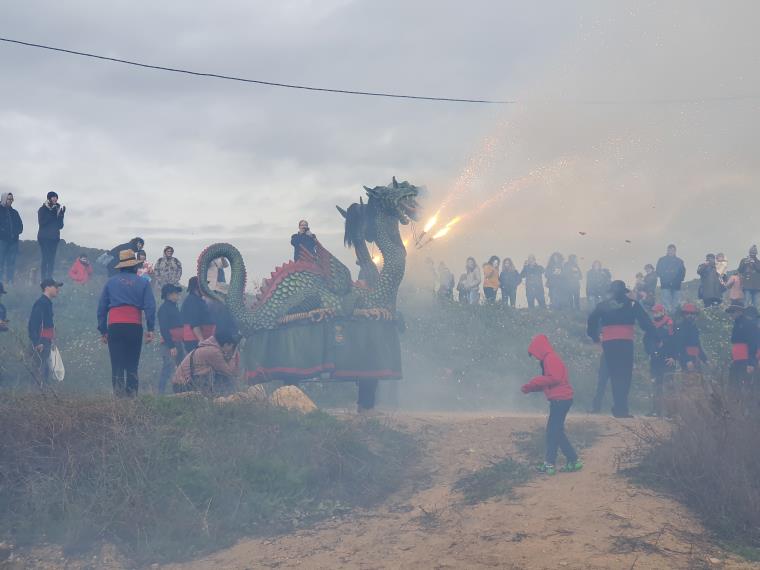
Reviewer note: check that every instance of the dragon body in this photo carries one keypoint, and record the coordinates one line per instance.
(319, 286)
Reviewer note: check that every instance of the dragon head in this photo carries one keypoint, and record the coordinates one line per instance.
(398, 199)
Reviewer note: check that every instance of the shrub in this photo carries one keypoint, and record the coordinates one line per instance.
(171, 477)
(710, 461)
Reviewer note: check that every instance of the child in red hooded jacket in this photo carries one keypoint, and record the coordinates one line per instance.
(556, 387)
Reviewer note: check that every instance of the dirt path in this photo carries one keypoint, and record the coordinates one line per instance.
(591, 519)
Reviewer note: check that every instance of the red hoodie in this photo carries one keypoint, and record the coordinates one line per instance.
(80, 273)
(553, 381)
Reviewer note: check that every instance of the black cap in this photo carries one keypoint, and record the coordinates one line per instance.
(51, 195)
(619, 288)
(50, 283)
(168, 289)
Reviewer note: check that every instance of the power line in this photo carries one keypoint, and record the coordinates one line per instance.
(258, 81)
(653, 101)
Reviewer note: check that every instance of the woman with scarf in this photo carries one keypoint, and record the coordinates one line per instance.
(50, 218)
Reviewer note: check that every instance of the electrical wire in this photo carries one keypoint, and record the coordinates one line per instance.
(653, 101)
(257, 81)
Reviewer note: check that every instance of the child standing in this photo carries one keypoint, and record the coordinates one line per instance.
(555, 385)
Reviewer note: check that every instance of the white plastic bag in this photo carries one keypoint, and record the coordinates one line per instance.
(55, 362)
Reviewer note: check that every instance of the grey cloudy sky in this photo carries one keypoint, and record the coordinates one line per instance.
(189, 161)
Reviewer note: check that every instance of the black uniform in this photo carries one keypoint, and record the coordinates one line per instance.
(744, 345)
(42, 332)
(612, 322)
(660, 344)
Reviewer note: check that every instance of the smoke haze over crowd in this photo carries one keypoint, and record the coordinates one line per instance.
(636, 123)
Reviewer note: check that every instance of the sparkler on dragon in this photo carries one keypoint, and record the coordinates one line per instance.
(310, 320)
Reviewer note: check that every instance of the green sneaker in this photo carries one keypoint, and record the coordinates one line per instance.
(576, 465)
(546, 468)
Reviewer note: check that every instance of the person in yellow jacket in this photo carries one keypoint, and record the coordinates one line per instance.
(491, 279)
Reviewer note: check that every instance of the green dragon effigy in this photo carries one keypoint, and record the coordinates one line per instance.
(310, 319)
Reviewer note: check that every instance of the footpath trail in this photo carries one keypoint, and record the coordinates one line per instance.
(591, 519)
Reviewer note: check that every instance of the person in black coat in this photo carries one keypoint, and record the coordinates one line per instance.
(744, 346)
(171, 327)
(41, 328)
(671, 271)
(135, 244)
(303, 240)
(197, 322)
(11, 227)
(50, 218)
(612, 323)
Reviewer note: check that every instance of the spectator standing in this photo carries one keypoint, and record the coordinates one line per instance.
(445, 283)
(734, 286)
(81, 270)
(168, 269)
(303, 239)
(135, 245)
(196, 317)
(598, 282)
(572, 277)
(721, 265)
(41, 327)
(554, 383)
(688, 343)
(533, 274)
(554, 280)
(649, 288)
(215, 274)
(671, 271)
(170, 325)
(744, 344)
(11, 227)
(124, 299)
(214, 364)
(491, 279)
(710, 283)
(509, 281)
(145, 269)
(472, 281)
(749, 269)
(612, 323)
(50, 218)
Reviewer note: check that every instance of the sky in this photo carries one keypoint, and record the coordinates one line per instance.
(636, 124)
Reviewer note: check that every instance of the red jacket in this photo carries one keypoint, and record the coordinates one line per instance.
(553, 381)
(80, 273)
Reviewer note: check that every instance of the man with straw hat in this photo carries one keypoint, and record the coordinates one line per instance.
(124, 299)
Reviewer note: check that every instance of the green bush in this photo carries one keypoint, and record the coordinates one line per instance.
(167, 478)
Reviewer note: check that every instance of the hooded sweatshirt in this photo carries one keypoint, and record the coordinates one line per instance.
(10, 221)
(553, 380)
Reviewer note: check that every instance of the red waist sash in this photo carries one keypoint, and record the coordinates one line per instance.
(617, 332)
(177, 334)
(206, 332)
(48, 333)
(125, 315)
(739, 351)
(692, 351)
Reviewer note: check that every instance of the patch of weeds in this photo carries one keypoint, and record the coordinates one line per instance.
(751, 553)
(497, 480)
(429, 519)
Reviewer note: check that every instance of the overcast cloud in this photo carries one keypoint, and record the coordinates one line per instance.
(188, 161)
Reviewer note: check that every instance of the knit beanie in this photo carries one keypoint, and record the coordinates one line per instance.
(51, 195)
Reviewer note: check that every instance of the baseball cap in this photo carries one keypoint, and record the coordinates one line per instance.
(50, 283)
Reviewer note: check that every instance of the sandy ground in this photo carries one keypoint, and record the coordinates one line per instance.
(592, 519)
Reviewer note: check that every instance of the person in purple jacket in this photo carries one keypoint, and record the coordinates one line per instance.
(124, 299)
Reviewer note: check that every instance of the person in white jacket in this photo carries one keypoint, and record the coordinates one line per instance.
(215, 275)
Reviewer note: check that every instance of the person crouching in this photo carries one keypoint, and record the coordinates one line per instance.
(124, 299)
(211, 368)
(555, 385)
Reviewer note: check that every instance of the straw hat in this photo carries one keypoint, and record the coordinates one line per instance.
(127, 258)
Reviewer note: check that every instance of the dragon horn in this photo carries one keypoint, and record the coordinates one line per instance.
(361, 200)
(342, 211)
(395, 184)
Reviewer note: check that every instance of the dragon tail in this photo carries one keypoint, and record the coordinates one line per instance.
(235, 296)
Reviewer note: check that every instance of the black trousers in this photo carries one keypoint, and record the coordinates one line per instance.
(555, 432)
(509, 296)
(618, 354)
(367, 394)
(602, 379)
(48, 249)
(490, 294)
(124, 346)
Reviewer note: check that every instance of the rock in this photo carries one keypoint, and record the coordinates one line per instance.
(715, 561)
(292, 398)
(257, 393)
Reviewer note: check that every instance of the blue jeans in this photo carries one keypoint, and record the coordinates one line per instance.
(751, 297)
(671, 299)
(169, 365)
(555, 432)
(8, 253)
